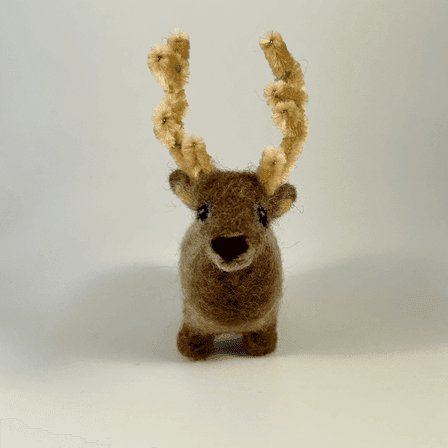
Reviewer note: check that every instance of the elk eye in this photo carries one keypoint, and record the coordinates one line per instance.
(262, 215)
(204, 211)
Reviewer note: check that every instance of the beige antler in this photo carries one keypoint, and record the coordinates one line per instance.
(287, 98)
(169, 65)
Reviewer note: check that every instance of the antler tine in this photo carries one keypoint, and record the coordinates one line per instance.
(169, 65)
(287, 98)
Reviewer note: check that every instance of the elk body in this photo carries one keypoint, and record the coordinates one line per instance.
(230, 264)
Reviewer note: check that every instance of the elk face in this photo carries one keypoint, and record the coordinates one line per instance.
(233, 214)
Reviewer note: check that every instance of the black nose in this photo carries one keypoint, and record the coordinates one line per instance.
(230, 248)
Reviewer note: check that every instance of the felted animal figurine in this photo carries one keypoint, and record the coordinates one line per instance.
(230, 263)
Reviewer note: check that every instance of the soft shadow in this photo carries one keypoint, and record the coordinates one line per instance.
(130, 312)
(372, 304)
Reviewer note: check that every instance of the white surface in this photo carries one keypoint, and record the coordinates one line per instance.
(89, 294)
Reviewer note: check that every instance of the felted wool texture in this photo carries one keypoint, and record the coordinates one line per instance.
(230, 263)
(242, 294)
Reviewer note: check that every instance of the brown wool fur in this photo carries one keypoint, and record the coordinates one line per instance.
(230, 264)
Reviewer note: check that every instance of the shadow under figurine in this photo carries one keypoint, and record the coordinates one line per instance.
(230, 264)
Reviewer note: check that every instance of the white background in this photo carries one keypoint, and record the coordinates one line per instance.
(89, 231)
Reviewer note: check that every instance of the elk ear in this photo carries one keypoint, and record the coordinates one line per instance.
(182, 185)
(282, 199)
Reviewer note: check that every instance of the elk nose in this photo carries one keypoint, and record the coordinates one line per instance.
(230, 248)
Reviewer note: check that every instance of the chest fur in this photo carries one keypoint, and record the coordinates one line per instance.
(231, 298)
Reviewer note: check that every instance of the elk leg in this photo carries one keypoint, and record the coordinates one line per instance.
(262, 342)
(194, 345)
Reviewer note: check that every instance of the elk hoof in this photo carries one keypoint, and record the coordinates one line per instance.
(194, 345)
(260, 343)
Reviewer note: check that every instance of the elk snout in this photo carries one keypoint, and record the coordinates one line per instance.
(230, 248)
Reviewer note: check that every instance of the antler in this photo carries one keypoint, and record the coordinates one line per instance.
(287, 98)
(169, 65)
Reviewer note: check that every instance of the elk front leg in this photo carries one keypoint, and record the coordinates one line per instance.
(261, 342)
(194, 345)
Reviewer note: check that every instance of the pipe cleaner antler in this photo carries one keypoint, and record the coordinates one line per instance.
(169, 65)
(287, 97)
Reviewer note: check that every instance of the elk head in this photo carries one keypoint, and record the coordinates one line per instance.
(234, 209)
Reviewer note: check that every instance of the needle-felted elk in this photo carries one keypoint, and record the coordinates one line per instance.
(230, 263)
